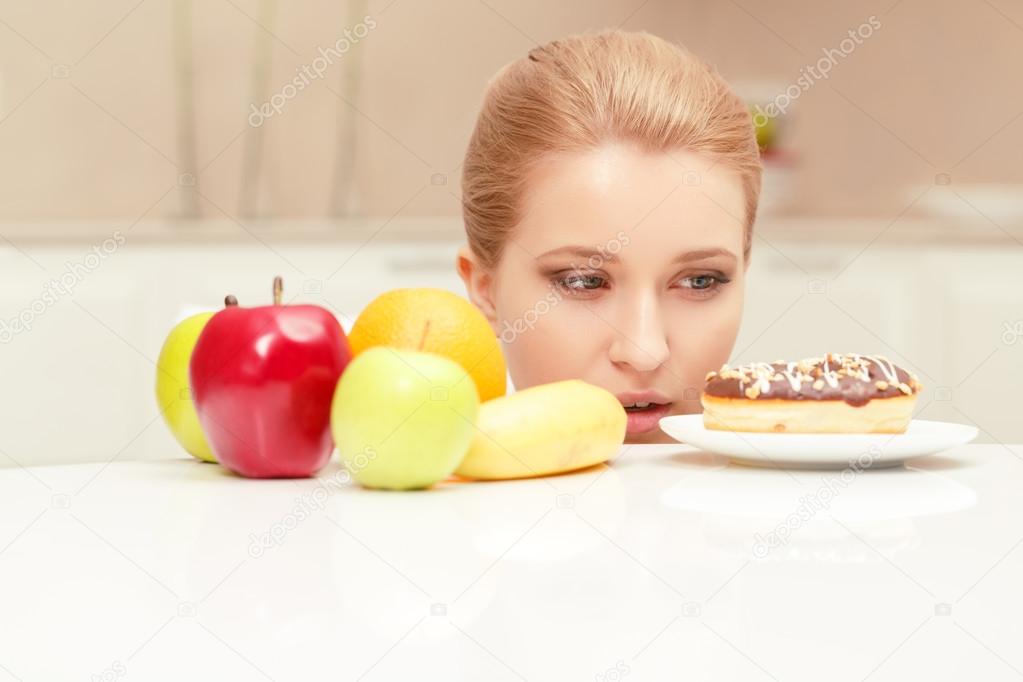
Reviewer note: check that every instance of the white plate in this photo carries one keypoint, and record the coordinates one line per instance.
(820, 450)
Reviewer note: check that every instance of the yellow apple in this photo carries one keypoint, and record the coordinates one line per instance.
(173, 390)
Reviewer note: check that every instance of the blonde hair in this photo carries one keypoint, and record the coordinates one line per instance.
(586, 90)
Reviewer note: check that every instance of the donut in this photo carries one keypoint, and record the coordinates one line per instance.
(836, 393)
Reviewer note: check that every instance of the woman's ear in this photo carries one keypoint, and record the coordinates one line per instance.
(478, 284)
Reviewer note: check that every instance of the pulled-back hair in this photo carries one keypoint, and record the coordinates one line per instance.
(587, 90)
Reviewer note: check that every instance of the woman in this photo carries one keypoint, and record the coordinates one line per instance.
(609, 193)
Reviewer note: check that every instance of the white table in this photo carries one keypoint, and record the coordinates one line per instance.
(649, 570)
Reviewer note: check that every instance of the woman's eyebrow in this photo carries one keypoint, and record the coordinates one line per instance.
(684, 257)
(580, 251)
(703, 254)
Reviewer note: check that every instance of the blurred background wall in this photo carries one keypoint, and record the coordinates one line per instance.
(228, 140)
(105, 105)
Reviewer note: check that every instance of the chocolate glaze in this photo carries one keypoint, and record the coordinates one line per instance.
(850, 377)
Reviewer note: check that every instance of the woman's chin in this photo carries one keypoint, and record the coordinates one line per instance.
(654, 437)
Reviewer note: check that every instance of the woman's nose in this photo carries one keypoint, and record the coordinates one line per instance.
(640, 339)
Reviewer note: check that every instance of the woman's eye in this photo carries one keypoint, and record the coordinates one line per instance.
(581, 283)
(703, 284)
(700, 281)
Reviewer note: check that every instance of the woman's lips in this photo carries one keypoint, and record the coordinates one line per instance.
(642, 420)
(645, 419)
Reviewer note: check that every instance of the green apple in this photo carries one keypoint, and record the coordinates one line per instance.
(403, 419)
(173, 390)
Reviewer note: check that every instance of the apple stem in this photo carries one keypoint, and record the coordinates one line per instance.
(278, 289)
(230, 301)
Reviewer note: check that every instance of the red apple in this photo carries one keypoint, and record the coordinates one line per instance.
(263, 379)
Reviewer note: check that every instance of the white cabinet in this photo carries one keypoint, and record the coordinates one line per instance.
(977, 313)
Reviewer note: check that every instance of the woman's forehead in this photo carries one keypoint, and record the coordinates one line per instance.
(662, 203)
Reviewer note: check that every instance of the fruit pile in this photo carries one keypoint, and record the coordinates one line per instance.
(414, 394)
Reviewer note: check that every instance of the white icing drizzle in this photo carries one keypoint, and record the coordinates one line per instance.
(887, 368)
(763, 382)
(794, 378)
(829, 376)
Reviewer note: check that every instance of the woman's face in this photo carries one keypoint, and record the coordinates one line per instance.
(627, 272)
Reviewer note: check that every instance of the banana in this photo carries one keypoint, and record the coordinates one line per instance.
(545, 429)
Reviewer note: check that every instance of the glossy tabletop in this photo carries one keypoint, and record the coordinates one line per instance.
(669, 564)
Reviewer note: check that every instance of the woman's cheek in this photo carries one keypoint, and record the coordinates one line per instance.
(552, 340)
(704, 334)
(534, 356)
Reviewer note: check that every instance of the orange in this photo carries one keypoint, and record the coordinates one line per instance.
(435, 321)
